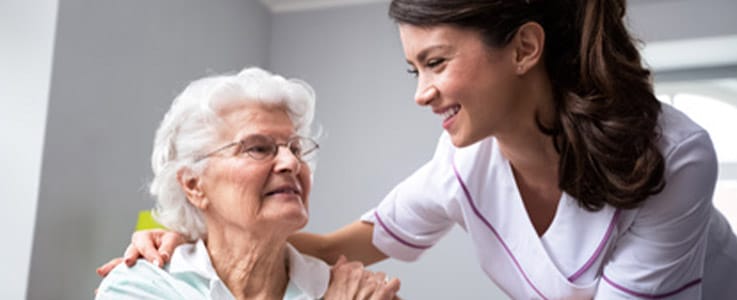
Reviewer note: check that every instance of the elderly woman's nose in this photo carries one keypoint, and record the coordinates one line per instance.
(286, 161)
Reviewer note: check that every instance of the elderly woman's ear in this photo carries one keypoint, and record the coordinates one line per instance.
(192, 186)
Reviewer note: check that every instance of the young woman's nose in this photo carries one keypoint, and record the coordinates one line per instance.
(425, 93)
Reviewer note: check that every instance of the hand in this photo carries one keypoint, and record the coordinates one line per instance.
(155, 245)
(349, 280)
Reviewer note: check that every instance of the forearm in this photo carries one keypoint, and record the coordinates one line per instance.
(312, 244)
(353, 241)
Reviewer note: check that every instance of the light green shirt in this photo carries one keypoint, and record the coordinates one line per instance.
(190, 275)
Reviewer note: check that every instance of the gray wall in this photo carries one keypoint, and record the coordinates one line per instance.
(659, 20)
(26, 48)
(118, 64)
(117, 67)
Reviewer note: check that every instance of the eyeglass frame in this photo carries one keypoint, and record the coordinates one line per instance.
(272, 154)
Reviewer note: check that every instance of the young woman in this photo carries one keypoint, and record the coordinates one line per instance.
(571, 178)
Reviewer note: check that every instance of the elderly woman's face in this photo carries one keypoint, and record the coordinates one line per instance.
(268, 194)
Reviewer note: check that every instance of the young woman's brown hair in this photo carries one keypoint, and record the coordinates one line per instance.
(606, 127)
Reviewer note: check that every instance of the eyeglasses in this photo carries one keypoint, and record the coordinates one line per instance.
(260, 147)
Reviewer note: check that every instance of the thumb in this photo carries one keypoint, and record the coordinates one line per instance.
(341, 260)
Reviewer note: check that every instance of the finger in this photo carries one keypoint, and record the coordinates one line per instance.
(387, 291)
(131, 255)
(368, 290)
(369, 284)
(380, 277)
(341, 271)
(338, 269)
(143, 241)
(168, 243)
(344, 280)
(354, 276)
(357, 271)
(109, 266)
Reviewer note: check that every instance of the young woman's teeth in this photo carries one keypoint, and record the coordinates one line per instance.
(450, 112)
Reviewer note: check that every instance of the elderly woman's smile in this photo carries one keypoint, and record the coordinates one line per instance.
(286, 190)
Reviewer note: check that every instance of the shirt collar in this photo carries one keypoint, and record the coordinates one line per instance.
(192, 258)
(309, 274)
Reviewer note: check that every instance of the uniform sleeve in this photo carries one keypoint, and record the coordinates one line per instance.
(661, 255)
(414, 215)
(142, 281)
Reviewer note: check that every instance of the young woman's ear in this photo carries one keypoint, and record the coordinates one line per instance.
(529, 43)
(192, 186)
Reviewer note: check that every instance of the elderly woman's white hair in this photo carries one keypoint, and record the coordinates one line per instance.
(190, 128)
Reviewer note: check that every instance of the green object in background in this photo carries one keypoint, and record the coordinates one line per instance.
(146, 221)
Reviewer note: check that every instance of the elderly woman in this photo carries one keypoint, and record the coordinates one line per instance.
(232, 170)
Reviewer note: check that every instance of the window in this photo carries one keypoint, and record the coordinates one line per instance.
(712, 103)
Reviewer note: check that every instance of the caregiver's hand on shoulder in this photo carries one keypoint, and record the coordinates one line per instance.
(349, 280)
(155, 245)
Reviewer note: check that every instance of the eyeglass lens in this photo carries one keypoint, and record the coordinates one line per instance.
(261, 146)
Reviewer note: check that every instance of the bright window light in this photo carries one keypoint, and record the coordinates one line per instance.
(713, 105)
(717, 117)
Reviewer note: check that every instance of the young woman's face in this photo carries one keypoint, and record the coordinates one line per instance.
(471, 86)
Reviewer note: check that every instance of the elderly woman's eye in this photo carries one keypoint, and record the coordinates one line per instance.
(259, 149)
(296, 149)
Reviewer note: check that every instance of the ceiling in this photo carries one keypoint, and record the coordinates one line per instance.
(298, 5)
(660, 56)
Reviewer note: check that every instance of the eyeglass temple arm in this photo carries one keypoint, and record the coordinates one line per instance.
(216, 151)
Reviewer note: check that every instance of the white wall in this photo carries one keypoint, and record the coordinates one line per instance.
(26, 49)
(117, 67)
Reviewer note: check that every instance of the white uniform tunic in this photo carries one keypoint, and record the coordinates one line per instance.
(674, 246)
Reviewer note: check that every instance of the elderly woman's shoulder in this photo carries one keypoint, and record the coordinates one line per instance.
(144, 280)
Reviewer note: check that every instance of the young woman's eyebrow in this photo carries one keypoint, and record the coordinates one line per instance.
(423, 54)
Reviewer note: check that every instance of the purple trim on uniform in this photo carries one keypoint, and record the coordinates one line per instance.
(478, 214)
(396, 237)
(596, 254)
(648, 296)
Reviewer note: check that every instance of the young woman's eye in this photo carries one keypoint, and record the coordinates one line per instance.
(435, 62)
(413, 72)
